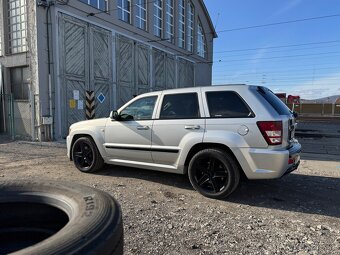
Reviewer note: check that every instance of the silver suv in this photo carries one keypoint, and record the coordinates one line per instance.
(214, 134)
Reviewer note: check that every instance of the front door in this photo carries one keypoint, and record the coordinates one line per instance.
(130, 137)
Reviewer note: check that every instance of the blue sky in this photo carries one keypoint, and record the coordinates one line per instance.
(311, 70)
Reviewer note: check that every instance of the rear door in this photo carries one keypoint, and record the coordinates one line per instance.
(178, 121)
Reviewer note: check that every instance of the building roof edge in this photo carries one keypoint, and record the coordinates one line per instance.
(209, 19)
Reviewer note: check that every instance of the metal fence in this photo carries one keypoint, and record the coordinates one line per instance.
(316, 109)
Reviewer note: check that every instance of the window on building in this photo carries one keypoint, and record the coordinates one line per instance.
(181, 24)
(99, 4)
(180, 106)
(190, 27)
(158, 18)
(19, 82)
(124, 10)
(17, 26)
(169, 18)
(141, 14)
(201, 45)
(227, 104)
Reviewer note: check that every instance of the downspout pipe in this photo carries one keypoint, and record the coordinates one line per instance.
(49, 67)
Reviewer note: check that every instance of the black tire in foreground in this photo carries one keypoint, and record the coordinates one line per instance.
(43, 217)
(214, 173)
(86, 156)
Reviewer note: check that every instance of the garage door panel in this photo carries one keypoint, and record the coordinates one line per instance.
(101, 50)
(102, 99)
(125, 69)
(75, 108)
(171, 72)
(75, 45)
(142, 68)
(159, 69)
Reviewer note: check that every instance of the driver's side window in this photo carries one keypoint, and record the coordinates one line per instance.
(140, 109)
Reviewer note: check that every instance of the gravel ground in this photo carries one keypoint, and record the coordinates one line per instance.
(298, 214)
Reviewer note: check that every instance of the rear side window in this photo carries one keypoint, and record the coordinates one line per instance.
(180, 106)
(274, 101)
(227, 104)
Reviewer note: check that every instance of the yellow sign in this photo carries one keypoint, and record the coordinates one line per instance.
(72, 103)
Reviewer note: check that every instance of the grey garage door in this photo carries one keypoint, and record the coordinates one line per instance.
(85, 64)
(133, 64)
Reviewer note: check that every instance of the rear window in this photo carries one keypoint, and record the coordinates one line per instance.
(274, 101)
(227, 104)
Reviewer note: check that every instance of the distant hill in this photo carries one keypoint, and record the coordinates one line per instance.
(324, 100)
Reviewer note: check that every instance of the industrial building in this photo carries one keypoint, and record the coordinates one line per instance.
(53, 52)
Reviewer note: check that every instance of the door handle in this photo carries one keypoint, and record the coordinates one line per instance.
(142, 127)
(192, 127)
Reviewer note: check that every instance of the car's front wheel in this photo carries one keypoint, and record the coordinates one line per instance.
(214, 173)
(86, 156)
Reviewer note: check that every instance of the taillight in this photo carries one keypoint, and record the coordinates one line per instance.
(271, 131)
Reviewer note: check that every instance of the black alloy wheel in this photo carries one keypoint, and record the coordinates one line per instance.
(214, 173)
(86, 156)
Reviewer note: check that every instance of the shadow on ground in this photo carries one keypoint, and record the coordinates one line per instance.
(5, 139)
(294, 192)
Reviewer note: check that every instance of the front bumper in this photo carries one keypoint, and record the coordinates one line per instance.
(268, 163)
(68, 146)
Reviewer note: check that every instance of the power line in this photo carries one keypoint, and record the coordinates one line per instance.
(279, 23)
(315, 48)
(270, 53)
(272, 83)
(313, 65)
(259, 72)
(280, 46)
(279, 57)
(279, 78)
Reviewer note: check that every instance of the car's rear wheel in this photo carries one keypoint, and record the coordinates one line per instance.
(86, 156)
(214, 173)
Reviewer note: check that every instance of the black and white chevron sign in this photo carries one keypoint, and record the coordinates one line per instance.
(90, 105)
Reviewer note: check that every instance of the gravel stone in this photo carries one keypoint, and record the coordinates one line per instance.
(162, 214)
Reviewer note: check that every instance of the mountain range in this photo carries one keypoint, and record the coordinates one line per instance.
(323, 100)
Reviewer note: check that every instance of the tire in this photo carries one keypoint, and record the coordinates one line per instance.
(86, 156)
(214, 173)
(43, 218)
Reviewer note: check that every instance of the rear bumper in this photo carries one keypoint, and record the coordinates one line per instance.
(268, 163)
(294, 156)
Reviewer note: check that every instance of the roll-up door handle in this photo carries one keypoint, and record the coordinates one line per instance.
(192, 127)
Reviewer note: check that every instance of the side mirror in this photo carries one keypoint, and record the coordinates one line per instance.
(114, 115)
(295, 114)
